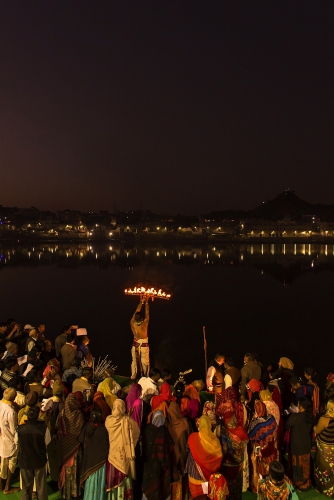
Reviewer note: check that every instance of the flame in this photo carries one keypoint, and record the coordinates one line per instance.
(149, 292)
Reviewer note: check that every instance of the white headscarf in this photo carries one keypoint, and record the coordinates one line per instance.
(123, 436)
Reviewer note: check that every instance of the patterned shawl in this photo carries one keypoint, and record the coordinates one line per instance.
(262, 428)
(69, 424)
(230, 395)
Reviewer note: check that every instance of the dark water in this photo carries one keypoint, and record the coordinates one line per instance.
(274, 299)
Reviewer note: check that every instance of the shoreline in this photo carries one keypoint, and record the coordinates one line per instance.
(19, 239)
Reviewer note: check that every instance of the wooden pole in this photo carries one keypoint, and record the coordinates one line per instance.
(205, 352)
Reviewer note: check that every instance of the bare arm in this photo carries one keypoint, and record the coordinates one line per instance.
(147, 316)
(137, 309)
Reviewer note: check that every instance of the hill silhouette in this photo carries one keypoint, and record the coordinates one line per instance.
(288, 203)
(284, 204)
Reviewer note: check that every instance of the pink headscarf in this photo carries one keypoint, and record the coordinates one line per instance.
(134, 393)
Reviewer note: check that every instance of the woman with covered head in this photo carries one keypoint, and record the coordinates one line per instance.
(273, 409)
(311, 376)
(164, 396)
(99, 403)
(134, 405)
(324, 459)
(68, 428)
(108, 387)
(234, 439)
(58, 404)
(204, 459)
(180, 429)
(262, 433)
(286, 367)
(123, 436)
(159, 460)
(231, 395)
(94, 438)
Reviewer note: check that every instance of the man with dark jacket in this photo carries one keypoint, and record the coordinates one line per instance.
(68, 352)
(33, 437)
(249, 371)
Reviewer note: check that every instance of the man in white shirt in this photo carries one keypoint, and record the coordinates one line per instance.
(149, 385)
(8, 445)
(214, 376)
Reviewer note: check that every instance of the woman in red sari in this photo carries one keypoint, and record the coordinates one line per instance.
(230, 396)
(164, 397)
(204, 458)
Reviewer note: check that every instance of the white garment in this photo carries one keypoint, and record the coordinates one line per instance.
(149, 388)
(8, 424)
(209, 377)
(228, 381)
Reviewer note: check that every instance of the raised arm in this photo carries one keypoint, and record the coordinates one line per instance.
(138, 308)
(147, 316)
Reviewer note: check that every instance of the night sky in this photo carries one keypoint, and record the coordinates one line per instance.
(177, 106)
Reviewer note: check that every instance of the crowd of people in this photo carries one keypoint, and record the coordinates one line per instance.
(267, 430)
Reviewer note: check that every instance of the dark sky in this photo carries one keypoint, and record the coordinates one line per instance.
(179, 106)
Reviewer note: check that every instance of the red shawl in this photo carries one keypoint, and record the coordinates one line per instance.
(165, 395)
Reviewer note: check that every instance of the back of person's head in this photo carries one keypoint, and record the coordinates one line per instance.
(76, 362)
(33, 413)
(311, 373)
(154, 372)
(10, 321)
(33, 376)
(307, 406)
(249, 356)
(179, 389)
(229, 361)
(121, 394)
(96, 416)
(83, 339)
(276, 374)
(41, 344)
(276, 471)
(10, 363)
(87, 372)
(2, 324)
(70, 338)
(295, 381)
(219, 356)
(66, 328)
(138, 317)
(305, 403)
(9, 394)
(166, 373)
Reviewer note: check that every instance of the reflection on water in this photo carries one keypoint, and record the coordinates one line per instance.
(272, 298)
(284, 261)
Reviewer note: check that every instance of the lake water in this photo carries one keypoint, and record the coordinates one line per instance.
(275, 299)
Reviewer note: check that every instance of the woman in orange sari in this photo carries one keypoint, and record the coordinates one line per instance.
(204, 459)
